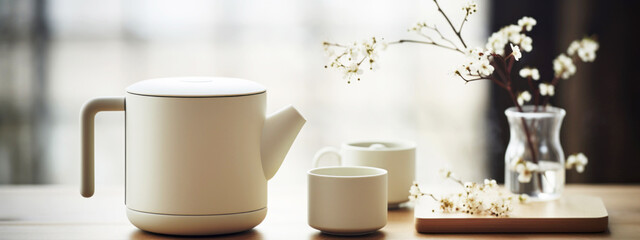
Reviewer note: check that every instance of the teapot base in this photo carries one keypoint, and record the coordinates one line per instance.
(194, 225)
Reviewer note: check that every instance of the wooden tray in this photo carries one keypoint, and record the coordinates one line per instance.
(567, 214)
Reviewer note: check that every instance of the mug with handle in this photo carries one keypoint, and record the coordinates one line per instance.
(396, 156)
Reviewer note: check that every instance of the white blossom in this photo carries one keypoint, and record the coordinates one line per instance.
(525, 170)
(586, 49)
(512, 34)
(530, 72)
(563, 66)
(516, 52)
(523, 198)
(485, 69)
(524, 97)
(470, 7)
(524, 177)
(351, 71)
(490, 183)
(418, 27)
(329, 51)
(525, 72)
(573, 47)
(350, 59)
(578, 160)
(535, 74)
(516, 37)
(527, 44)
(445, 173)
(373, 66)
(512, 30)
(498, 40)
(447, 204)
(381, 45)
(469, 185)
(527, 23)
(414, 190)
(477, 63)
(546, 89)
(475, 199)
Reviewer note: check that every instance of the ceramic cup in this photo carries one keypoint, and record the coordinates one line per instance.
(397, 157)
(347, 200)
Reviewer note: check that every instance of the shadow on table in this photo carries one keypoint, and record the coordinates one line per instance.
(250, 235)
(373, 236)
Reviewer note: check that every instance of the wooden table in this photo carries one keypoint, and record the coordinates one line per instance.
(59, 212)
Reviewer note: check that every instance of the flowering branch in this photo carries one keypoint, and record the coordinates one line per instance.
(475, 199)
(488, 63)
(470, 8)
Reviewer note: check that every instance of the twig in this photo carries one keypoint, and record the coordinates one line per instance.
(498, 65)
(536, 93)
(333, 44)
(425, 42)
(463, 21)
(511, 60)
(534, 157)
(338, 60)
(430, 195)
(456, 180)
(554, 82)
(473, 79)
(450, 24)
(435, 28)
(362, 60)
(426, 36)
(482, 78)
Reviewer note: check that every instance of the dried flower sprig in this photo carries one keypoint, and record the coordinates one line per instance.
(351, 57)
(483, 199)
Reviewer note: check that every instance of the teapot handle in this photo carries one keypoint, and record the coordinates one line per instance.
(87, 115)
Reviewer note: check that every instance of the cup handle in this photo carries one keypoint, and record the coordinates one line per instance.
(326, 151)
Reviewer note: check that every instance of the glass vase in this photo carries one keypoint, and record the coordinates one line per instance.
(534, 160)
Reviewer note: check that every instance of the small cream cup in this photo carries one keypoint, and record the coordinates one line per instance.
(347, 200)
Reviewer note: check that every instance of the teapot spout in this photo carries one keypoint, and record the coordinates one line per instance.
(278, 133)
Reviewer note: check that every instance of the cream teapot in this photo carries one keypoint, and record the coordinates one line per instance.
(199, 152)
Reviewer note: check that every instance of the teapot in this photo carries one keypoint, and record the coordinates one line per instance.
(198, 152)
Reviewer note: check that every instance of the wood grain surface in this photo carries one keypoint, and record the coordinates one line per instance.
(570, 213)
(59, 212)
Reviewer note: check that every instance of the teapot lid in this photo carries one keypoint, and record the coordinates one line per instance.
(196, 87)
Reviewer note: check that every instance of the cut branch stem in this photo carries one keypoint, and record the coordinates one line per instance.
(451, 24)
(426, 42)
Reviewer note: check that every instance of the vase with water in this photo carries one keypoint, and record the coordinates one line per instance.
(534, 159)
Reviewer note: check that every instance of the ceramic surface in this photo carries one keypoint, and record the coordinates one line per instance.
(347, 200)
(195, 155)
(397, 157)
